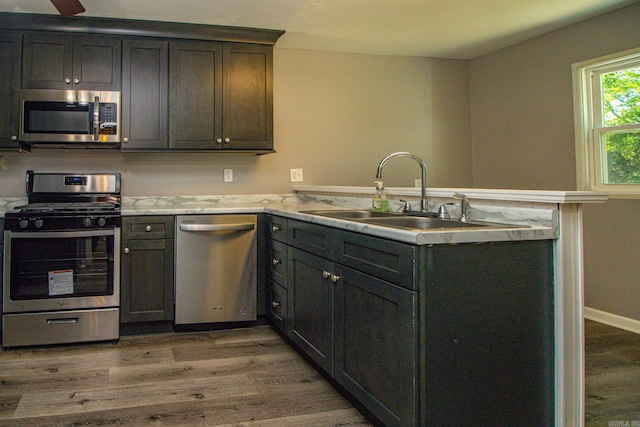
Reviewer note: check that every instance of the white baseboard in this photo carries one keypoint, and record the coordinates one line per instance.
(614, 320)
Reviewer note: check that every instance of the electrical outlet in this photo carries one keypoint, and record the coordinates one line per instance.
(296, 175)
(228, 175)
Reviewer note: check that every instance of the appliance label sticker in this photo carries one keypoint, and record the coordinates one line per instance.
(60, 282)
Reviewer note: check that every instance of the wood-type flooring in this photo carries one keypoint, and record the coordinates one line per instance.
(612, 376)
(242, 377)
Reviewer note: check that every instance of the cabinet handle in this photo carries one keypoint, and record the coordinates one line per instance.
(67, 81)
(76, 81)
(125, 140)
(14, 138)
(126, 250)
(276, 261)
(334, 278)
(227, 140)
(326, 274)
(275, 304)
(147, 228)
(275, 228)
(219, 140)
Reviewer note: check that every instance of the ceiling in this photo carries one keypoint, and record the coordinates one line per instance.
(456, 29)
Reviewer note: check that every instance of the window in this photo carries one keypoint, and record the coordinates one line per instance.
(607, 116)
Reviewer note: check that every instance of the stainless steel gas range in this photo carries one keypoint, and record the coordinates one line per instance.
(62, 261)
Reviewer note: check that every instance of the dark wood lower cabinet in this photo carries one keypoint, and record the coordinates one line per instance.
(310, 302)
(147, 281)
(426, 335)
(146, 270)
(375, 348)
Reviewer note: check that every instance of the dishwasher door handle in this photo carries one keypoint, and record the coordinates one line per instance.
(216, 227)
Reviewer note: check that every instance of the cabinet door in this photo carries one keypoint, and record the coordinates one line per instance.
(146, 282)
(47, 61)
(375, 355)
(310, 302)
(145, 86)
(10, 51)
(56, 61)
(248, 97)
(97, 63)
(195, 87)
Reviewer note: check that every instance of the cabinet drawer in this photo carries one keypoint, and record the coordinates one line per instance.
(313, 238)
(277, 305)
(277, 262)
(391, 261)
(147, 227)
(277, 228)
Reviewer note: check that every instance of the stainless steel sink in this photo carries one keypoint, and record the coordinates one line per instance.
(354, 214)
(422, 223)
(403, 221)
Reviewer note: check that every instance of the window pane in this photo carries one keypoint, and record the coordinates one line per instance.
(621, 97)
(621, 162)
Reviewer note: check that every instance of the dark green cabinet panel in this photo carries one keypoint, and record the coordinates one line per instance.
(310, 302)
(147, 269)
(10, 54)
(145, 87)
(386, 259)
(247, 97)
(195, 76)
(375, 350)
(488, 334)
(277, 262)
(147, 281)
(313, 238)
(276, 309)
(221, 96)
(61, 61)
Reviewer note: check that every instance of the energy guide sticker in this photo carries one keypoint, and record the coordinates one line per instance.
(60, 282)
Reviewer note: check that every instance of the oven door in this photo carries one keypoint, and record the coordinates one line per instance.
(61, 270)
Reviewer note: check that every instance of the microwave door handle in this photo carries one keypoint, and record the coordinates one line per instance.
(96, 118)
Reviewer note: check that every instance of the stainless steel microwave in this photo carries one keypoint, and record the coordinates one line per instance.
(70, 118)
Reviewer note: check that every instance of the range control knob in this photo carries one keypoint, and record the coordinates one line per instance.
(38, 223)
(86, 222)
(101, 222)
(24, 223)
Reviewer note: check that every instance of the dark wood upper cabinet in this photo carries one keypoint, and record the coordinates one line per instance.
(61, 61)
(221, 96)
(145, 99)
(10, 50)
(247, 97)
(185, 87)
(195, 99)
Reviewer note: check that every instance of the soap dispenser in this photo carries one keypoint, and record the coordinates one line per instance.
(380, 202)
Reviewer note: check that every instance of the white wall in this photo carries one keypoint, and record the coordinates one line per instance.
(336, 116)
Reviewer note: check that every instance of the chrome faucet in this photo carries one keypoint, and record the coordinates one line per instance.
(464, 206)
(423, 180)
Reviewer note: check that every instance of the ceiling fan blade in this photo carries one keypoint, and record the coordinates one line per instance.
(68, 7)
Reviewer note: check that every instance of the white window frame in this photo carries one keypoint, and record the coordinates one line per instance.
(588, 121)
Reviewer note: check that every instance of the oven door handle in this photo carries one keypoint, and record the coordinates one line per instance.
(61, 234)
(63, 321)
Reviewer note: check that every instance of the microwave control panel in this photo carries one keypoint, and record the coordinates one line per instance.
(108, 118)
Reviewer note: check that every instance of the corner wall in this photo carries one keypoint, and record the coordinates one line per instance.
(523, 137)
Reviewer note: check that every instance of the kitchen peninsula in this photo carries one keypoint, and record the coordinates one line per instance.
(541, 216)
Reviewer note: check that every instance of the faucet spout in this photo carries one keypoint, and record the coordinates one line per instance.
(423, 178)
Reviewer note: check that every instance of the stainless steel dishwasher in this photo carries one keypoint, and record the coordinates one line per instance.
(216, 268)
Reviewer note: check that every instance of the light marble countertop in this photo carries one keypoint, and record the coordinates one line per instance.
(534, 214)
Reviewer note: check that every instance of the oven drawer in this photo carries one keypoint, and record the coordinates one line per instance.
(60, 327)
(148, 227)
